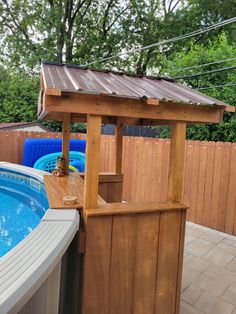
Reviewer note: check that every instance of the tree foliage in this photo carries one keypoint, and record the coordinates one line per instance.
(18, 97)
(218, 49)
(82, 31)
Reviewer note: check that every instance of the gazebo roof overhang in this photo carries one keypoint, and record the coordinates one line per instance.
(134, 99)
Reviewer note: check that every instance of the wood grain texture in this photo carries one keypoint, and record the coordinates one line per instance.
(136, 183)
(133, 262)
(133, 208)
(231, 199)
(97, 265)
(92, 161)
(58, 187)
(132, 108)
(180, 261)
(66, 141)
(167, 264)
(122, 264)
(145, 263)
(119, 146)
(176, 163)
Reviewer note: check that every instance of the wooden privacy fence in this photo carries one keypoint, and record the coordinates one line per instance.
(209, 180)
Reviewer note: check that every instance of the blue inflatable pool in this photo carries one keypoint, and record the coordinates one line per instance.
(36, 148)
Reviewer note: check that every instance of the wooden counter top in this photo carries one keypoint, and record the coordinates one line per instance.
(58, 187)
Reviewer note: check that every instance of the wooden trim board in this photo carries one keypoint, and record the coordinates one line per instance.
(133, 108)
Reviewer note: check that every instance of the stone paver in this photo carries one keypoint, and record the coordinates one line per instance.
(198, 247)
(211, 237)
(232, 266)
(213, 305)
(218, 257)
(196, 263)
(230, 295)
(210, 284)
(209, 275)
(186, 308)
(191, 294)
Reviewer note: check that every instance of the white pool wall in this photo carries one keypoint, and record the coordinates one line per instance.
(30, 272)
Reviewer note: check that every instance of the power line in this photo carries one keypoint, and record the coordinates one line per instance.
(203, 65)
(216, 86)
(204, 73)
(167, 41)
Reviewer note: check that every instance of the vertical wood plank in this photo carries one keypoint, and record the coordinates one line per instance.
(66, 141)
(176, 164)
(215, 197)
(97, 265)
(114, 192)
(165, 169)
(224, 186)
(125, 167)
(145, 263)
(92, 161)
(180, 261)
(167, 265)
(119, 146)
(188, 177)
(209, 183)
(103, 190)
(201, 182)
(122, 264)
(231, 197)
(134, 169)
(148, 179)
(195, 175)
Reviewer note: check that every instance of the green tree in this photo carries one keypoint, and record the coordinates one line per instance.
(62, 31)
(18, 97)
(209, 84)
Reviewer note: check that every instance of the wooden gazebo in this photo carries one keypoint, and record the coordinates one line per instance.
(132, 252)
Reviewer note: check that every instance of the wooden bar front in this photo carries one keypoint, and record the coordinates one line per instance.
(132, 258)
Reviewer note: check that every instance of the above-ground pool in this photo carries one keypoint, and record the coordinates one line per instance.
(30, 265)
(23, 202)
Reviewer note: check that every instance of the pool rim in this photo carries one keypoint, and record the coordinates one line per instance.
(21, 285)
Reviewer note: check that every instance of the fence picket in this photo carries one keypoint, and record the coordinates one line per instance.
(209, 174)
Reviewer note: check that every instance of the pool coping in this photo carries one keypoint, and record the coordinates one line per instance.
(25, 267)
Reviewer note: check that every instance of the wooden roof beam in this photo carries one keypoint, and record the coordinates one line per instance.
(133, 108)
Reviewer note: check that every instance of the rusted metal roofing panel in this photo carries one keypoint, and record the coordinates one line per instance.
(70, 78)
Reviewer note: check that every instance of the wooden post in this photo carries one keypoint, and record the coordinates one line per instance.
(92, 161)
(176, 164)
(66, 141)
(119, 146)
(175, 186)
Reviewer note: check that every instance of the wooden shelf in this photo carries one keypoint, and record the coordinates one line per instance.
(58, 187)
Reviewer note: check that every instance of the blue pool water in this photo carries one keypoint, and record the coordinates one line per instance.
(23, 203)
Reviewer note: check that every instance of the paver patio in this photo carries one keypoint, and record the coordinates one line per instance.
(209, 275)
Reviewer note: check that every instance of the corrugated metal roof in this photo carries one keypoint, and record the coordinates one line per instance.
(71, 78)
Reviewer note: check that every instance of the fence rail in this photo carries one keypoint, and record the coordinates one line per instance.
(209, 175)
